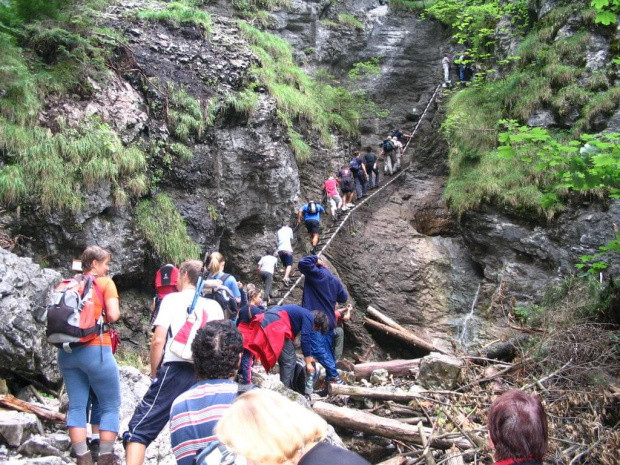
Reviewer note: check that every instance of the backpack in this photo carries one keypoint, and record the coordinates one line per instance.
(181, 344)
(165, 283)
(312, 209)
(224, 297)
(347, 179)
(299, 377)
(388, 145)
(355, 165)
(71, 318)
(217, 453)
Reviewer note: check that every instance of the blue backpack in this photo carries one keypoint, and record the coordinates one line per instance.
(388, 145)
(355, 165)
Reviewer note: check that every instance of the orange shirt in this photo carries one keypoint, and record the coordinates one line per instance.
(108, 290)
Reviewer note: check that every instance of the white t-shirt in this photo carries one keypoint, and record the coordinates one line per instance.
(173, 313)
(268, 263)
(284, 238)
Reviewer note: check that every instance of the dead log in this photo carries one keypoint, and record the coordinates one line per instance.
(404, 335)
(384, 319)
(360, 391)
(386, 427)
(506, 350)
(14, 403)
(393, 367)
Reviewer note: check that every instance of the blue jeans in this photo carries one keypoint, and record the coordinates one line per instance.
(245, 369)
(370, 171)
(360, 185)
(91, 367)
(323, 352)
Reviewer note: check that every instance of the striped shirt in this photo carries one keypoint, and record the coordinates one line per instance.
(194, 415)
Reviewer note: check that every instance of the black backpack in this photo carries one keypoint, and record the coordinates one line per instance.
(299, 377)
(347, 179)
(312, 209)
(355, 165)
(388, 145)
(224, 297)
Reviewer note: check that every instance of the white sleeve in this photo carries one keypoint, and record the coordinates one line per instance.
(166, 312)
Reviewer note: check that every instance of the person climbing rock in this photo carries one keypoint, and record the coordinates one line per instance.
(311, 214)
(322, 291)
(347, 184)
(445, 64)
(335, 201)
(270, 338)
(194, 414)
(266, 269)
(398, 154)
(92, 366)
(370, 160)
(358, 168)
(175, 375)
(246, 315)
(284, 239)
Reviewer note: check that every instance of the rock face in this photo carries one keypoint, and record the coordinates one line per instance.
(17, 427)
(24, 292)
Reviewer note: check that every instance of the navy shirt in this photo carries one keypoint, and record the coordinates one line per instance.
(321, 289)
(302, 321)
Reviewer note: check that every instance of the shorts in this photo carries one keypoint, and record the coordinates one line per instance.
(286, 258)
(335, 200)
(313, 227)
(347, 189)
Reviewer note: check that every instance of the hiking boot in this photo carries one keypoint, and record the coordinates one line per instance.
(85, 459)
(108, 459)
(335, 380)
(93, 446)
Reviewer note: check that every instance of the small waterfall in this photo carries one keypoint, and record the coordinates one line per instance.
(464, 337)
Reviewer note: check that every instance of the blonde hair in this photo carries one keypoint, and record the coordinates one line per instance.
(216, 259)
(268, 429)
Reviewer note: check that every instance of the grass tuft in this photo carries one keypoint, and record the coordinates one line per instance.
(177, 13)
(164, 229)
(350, 21)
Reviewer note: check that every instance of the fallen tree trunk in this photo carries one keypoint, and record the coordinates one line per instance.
(393, 367)
(361, 391)
(505, 350)
(386, 427)
(384, 319)
(404, 335)
(14, 403)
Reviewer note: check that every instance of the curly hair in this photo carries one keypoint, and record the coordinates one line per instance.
(216, 350)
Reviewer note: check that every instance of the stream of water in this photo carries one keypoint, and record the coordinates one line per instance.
(465, 336)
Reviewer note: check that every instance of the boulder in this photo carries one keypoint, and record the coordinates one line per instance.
(38, 446)
(379, 377)
(24, 290)
(438, 371)
(17, 427)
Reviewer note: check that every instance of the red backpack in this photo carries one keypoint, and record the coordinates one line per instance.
(72, 319)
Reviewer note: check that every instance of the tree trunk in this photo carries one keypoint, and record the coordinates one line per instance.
(393, 367)
(13, 403)
(360, 391)
(386, 427)
(384, 319)
(404, 335)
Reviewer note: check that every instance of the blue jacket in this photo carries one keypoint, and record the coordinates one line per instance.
(301, 321)
(310, 217)
(321, 289)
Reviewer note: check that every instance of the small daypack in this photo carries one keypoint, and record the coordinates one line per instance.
(355, 165)
(312, 208)
(388, 145)
(181, 344)
(71, 315)
(347, 179)
(224, 297)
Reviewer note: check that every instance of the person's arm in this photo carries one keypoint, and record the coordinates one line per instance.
(112, 309)
(109, 294)
(299, 213)
(364, 168)
(342, 296)
(157, 348)
(307, 323)
(308, 266)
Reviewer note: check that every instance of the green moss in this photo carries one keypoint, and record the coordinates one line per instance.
(164, 229)
(601, 103)
(570, 97)
(350, 21)
(177, 13)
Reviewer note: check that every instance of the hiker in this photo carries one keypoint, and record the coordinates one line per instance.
(266, 268)
(518, 429)
(335, 201)
(216, 271)
(92, 366)
(445, 64)
(398, 153)
(389, 154)
(370, 160)
(342, 315)
(322, 291)
(246, 315)
(347, 184)
(171, 375)
(165, 283)
(271, 335)
(358, 168)
(284, 239)
(194, 414)
(311, 213)
(266, 428)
